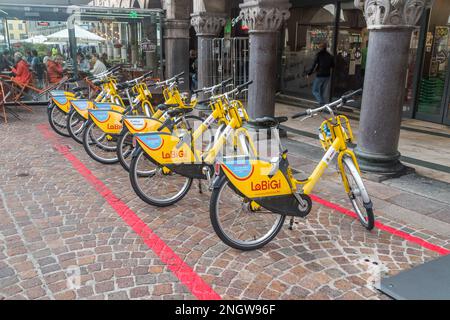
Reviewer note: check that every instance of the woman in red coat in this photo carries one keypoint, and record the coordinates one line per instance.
(21, 70)
(54, 70)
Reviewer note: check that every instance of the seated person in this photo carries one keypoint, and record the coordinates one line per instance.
(55, 69)
(21, 70)
(98, 65)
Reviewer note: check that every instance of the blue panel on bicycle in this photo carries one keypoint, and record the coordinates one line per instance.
(152, 141)
(62, 100)
(429, 281)
(103, 105)
(240, 167)
(81, 104)
(55, 93)
(100, 115)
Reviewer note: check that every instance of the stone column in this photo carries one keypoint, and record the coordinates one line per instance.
(134, 42)
(264, 19)
(207, 25)
(176, 37)
(390, 24)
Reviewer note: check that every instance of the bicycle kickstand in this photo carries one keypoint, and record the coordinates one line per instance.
(291, 223)
(200, 190)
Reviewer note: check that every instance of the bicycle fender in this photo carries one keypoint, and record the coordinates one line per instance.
(136, 151)
(218, 180)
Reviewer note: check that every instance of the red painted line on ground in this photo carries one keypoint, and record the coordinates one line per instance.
(182, 271)
(421, 242)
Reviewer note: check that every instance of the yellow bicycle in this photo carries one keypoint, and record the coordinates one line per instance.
(139, 96)
(253, 195)
(172, 160)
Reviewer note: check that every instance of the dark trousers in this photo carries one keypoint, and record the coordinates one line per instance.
(319, 89)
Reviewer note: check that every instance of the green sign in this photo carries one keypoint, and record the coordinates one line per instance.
(133, 14)
(228, 27)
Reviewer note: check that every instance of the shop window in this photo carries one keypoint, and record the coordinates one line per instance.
(351, 51)
(307, 29)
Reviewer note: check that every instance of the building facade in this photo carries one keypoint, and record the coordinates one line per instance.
(17, 30)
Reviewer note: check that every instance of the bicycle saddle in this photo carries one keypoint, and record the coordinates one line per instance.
(268, 122)
(179, 112)
(122, 86)
(78, 89)
(99, 82)
(165, 107)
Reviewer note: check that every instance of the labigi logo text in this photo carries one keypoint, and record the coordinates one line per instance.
(173, 154)
(266, 185)
(114, 126)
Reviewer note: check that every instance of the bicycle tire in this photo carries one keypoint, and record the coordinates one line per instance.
(213, 211)
(151, 200)
(58, 128)
(88, 146)
(77, 137)
(354, 179)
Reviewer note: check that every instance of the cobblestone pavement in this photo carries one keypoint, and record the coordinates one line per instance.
(54, 224)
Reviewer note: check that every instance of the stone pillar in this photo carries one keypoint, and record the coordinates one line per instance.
(390, 24)
(134, 43)
(264, 19)
(207, 25)
(176, 37)
(123, 41)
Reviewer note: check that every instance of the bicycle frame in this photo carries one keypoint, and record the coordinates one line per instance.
(335, 145)
(167, 149)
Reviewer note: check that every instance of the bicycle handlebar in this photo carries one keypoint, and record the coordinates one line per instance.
(236, 90)
(213, 88)
(342, 100)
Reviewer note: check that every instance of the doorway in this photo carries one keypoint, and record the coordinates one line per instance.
(433, 88)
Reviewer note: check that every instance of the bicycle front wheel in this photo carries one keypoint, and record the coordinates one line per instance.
(75, 126)
(358, 194)
(125, 149)
(156, 185)
(239, 225)
(58, 121)
(98, 145)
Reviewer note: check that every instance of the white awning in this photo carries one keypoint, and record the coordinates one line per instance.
(80, 34)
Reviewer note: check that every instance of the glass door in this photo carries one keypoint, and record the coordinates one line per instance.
(308, 27)
(433, 85)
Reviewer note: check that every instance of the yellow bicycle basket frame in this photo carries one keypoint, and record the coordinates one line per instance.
(339, 126)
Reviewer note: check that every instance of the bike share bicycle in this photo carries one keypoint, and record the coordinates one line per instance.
(253, 196)
(60, 100)
(171, 162)
(79, 114)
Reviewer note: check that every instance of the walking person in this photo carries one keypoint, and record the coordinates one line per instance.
(38, 68)
(323, 63)
(193, 66)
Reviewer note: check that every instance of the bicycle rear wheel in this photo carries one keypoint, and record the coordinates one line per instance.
(58, 120)
(156, 185)
(237, 224)
(358, 195)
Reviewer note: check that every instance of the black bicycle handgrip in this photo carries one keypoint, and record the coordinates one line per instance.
(227, 82)
(204, 101)
(350, 95)
(146, 75)
(299, 115)
(179, 75)
(242, 86)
